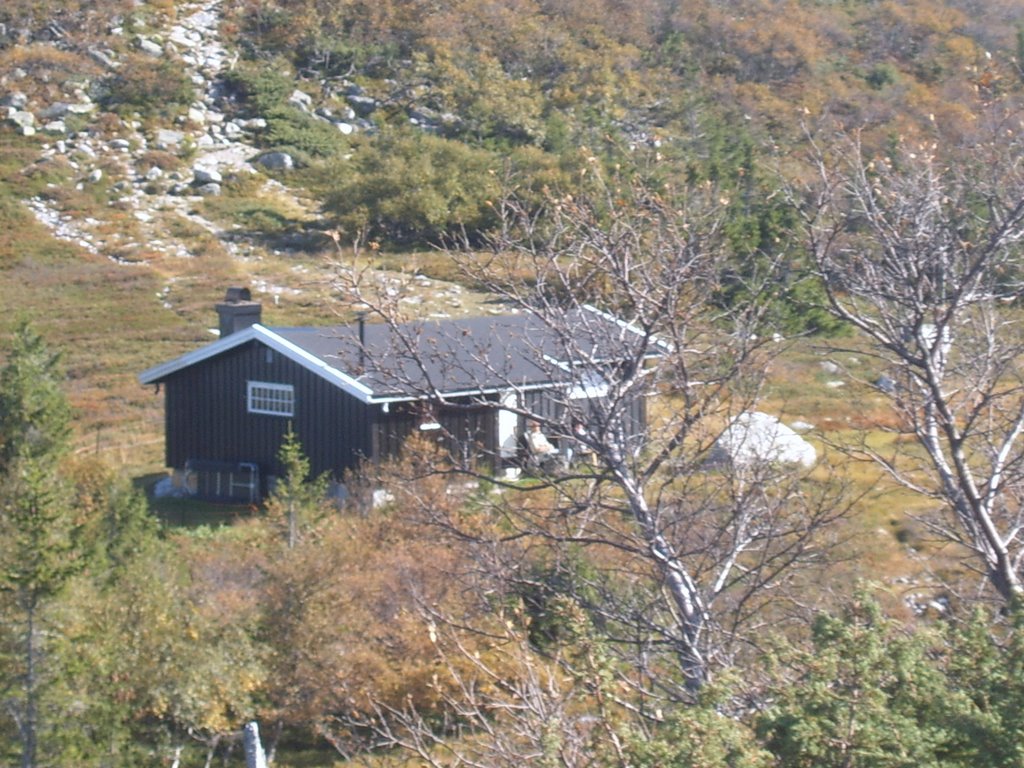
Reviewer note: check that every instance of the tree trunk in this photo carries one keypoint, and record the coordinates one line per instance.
(254, 756)
(685, 595)
(29, 725)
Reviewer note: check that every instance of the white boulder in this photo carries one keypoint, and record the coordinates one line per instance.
(758, 438)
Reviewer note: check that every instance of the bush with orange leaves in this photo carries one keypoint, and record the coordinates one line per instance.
(347, 609)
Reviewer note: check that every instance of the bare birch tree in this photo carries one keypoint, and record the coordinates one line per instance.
(920, 250)
(622, 286)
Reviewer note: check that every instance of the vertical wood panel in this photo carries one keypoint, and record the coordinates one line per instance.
(206, 417)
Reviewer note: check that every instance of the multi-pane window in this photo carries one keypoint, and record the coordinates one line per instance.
(273, 399)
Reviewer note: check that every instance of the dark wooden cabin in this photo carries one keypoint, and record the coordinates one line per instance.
(357, 392)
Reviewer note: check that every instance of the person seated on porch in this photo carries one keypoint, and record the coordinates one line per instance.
(542, 452)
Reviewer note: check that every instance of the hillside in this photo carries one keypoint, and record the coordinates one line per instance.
(179, 147)
(685, 162)
(128, 102)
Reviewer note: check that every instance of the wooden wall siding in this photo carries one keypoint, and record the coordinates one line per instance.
(471, 435)
(468, 431)
(551, 405)
(207, 416)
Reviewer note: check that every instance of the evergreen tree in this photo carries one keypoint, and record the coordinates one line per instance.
(296, 496)
(869, 694)
(35, 418)
(36, 521)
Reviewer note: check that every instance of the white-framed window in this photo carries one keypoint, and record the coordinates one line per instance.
(272, 399)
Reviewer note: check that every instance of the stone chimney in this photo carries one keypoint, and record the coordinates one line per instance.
(238, 311)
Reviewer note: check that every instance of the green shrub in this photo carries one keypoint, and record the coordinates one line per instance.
(411, 188)
(301, 134)
(150, 87)
(263, 86)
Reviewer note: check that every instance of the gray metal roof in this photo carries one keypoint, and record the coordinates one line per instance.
(445, 356)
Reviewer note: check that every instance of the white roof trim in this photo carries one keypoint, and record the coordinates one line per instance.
(272, 340)
(445, 395)
(627, 326)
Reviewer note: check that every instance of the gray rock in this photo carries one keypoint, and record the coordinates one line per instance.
(206, 176)
(17, 99)
(209, 190)
(346, 128)
(25, 122)
(829, 367)
(121, 144)
(94, 176)
(81, 109)
(301, 100)
(277, 161)
(253, 124)
(103, 58)
(149, 47)
(55, 111)
(424, 115)
(196, 115)
(55, 127)
(213, 62)
(168, 139)
(186, 38)
(363, 105)
(153, 174)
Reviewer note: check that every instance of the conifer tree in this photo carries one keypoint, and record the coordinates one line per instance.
(35, 418)
(296, 495)
(36, 521)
